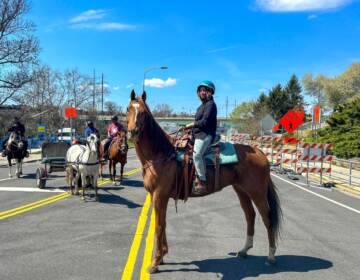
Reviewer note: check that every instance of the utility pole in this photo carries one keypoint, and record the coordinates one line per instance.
(226, 106)
(102, 93)
(94, 85)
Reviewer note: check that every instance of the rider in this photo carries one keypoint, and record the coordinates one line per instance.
(19, 129)
(113, 128)
(204, 131)
(91, 129)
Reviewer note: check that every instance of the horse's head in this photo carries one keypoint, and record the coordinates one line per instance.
(12, 140)
(136, 114)
(93, 142)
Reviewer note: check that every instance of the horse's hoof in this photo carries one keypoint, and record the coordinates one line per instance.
(161, 262)
(152, 269)
(270, 262)
(242, 254)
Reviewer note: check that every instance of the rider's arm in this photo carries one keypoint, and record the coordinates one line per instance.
(209, 111)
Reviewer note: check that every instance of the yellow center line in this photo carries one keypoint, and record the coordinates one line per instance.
(129, 267)
(30, 204)
(144, 275)
(27, 207)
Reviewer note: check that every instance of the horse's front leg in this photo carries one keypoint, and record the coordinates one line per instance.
(10, 167)
(110, 171)
(160, 206)
(83, 185)
(17, 173)
(122, 171)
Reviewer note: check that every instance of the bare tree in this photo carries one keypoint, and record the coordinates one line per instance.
(162, 110)
(78, 87)
(112, 108)
(18, 48)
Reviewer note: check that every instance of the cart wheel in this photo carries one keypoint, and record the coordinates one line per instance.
(40, 178)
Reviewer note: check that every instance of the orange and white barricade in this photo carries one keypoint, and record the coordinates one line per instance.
(314, 153)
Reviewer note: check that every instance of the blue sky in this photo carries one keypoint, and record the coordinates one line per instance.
(243, 46)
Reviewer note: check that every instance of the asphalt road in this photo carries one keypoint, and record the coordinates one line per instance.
(72, 239)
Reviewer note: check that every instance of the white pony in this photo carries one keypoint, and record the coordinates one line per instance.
(84, 159)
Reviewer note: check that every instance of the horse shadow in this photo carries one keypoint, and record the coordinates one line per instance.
(132, 183)
(111, 198)
(253, 266)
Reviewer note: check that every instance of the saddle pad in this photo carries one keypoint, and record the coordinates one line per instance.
(227, 154)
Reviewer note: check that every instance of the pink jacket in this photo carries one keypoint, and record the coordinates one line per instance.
(114, 128)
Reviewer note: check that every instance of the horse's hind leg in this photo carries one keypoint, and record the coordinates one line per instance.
(249, 212)
(262, 205)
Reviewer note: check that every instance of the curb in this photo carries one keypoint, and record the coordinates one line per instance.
(28, 161)
(347, 189)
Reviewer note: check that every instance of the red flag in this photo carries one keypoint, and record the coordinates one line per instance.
(70, 113)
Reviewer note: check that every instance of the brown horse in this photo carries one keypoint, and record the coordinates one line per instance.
(250, 178)
(117, 153)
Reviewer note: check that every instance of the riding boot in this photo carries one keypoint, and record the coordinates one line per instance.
(200, 188)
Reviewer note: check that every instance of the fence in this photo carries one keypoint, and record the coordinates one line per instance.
(309, 158)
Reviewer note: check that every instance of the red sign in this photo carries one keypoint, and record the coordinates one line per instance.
(316, 114)
(292, 120)
(276, 127)
(70, 113)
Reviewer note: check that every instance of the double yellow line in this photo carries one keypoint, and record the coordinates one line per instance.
(28, 207)
(149, 243)
(40, 203)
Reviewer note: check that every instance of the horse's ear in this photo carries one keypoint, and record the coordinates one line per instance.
(132, 95)
(143, 96)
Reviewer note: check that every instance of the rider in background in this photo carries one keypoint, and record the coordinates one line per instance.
(19, 129)
(204, 131)
(113, 128)
(91, 129)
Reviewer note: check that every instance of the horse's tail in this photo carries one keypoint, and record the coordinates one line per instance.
(275, 209)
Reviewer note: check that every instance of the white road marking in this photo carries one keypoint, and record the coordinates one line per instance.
(24, 189)
(318, 195)
(7, 179)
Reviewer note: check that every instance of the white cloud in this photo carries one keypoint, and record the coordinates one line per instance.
(310, 17)
(159, 83)
(103, 26)
(130, 85)
(300, 5)
(88, 15)
(116, 87)
(220, 49)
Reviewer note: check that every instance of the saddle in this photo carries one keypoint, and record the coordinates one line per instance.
(218, 153)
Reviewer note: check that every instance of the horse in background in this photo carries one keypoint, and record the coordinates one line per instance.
(250, 178)
(83, 161)
(117, 154)
(15, 149)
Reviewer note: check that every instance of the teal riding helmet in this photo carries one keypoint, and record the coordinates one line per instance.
(207, 84)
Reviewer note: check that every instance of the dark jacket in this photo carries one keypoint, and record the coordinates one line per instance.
(18, 128)
(205, 120)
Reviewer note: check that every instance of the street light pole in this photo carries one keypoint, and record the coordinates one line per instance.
(148, 70)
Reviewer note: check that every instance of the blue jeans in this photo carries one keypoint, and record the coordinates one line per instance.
(200, 147)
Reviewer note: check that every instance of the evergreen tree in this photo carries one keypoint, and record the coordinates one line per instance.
(277, 102)
(293, 90)
(261, 106)
(344, 130)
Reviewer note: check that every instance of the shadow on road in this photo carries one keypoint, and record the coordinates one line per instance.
(132, 183)
(253, 266)
(111, 198)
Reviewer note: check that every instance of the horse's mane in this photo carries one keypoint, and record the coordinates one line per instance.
(160, 142)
